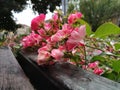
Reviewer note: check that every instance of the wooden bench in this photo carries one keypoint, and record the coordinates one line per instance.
(12, 76)
(65, 76)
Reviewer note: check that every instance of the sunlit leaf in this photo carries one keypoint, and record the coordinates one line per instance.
(107, 29)
(117, 46)
(98, 58)
(116, 66)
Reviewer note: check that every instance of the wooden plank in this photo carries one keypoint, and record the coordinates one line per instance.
(72, 77)
(38, 77)
(12, 76)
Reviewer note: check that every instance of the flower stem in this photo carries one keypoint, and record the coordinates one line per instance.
(95, 48)
(103, 51)
(85, 57)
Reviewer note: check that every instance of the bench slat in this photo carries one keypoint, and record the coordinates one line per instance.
(72, 77)
(12, 76)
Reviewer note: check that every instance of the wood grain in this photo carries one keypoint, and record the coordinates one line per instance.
(12, 76)
(72, 77)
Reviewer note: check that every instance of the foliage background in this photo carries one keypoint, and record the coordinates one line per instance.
(7, 6)
(97, 12)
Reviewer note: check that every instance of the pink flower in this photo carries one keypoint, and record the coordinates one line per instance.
(62, 48)
(55, 27)
(43, 57)
(47, 26)
(79, 14)
(37, 21)
(76, 37)
(70, 46)
(73, 17)
(78, 34)
(31, 40)
(93, 65)
(55, 17)
(57, 37)
(45, 48)
(61, 34)
(42, 32)
(98, 71)
(57, 54)
(66, 30)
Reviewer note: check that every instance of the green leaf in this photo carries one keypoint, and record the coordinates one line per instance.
(116, 66)
(117, 46)
(88, 27)
(109, 75)
(107, 29)
(98, 58)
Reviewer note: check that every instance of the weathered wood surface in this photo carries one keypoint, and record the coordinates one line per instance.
(66, 75)
(39, 79)
(12, 76)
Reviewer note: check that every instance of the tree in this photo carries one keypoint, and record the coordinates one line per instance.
(42, 5)
(6, 20)
(96, 12)
(7, 6)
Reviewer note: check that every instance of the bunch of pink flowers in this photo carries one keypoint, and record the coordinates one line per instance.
(58, 41)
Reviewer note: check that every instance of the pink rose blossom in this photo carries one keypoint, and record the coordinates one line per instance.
(62, 48)
(66, 30)
(62, 34)
(73, 17)
(42, 32)
(55, 17)
(47, 26)
(57, 37)
(79, 33)
(76, 37)
(57, 54)
(43, 57)
(35, 23)
(70, 46)
(45, 48)
(78, 15)
(55, 27)
(31, 40)
(98, 71)
(93, 65)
